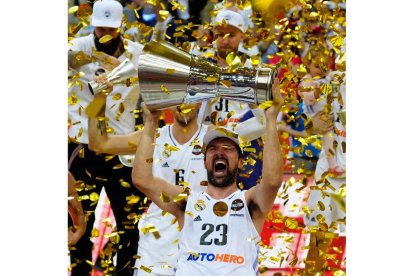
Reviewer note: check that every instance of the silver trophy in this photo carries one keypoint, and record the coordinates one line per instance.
(170, 77)
(124, 74)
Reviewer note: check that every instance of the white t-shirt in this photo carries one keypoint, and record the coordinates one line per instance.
(121, 98)
(176, 167)
(218, 245)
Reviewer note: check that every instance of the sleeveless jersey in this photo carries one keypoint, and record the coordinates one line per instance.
(182, 167)
(216, 242)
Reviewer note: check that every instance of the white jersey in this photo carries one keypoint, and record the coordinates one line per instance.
(216, 242)
(182, 167)
(119, 104)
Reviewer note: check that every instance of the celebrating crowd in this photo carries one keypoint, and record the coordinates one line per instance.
(192, 186)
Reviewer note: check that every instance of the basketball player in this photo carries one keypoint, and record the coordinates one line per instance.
(178, 159)
(221, 226)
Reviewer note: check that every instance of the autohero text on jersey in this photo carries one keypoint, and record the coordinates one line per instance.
(210, 257)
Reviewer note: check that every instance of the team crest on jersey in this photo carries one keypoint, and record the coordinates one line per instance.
(237, 204)
(200, 205)
(197, 150)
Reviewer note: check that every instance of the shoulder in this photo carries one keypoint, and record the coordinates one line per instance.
(84, 43)
(133, 46)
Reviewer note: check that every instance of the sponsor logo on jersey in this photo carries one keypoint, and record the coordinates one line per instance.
(200, 205)
(165, 165)
(197, 218)
(210, 257)
(237, 204)
(197, 150)
(237, 215)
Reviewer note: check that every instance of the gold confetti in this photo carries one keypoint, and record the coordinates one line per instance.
(118, 166)
(339, 273)
(150, 228)
(73, 9)
(149, 160)
(170, 148)
(233, 60)
(146, 269)
(265, 105)
(73, 100)
(164, 89)
(226, 83)
(95, 233)
(95, 107)
(164, 14)
(186, 108)
(326, 88)
(117, 97)
(124, 183)
(211, 78)
(337, 41)
(180, 197)
(190, 214)
(291, 223)
(183, 183)
(105, 38)
(94, 197)
(165, 197)
(255, 60)
(170, 71)
(321, 206)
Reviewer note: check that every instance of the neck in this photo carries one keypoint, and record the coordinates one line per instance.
(220, 193)
(183, 133)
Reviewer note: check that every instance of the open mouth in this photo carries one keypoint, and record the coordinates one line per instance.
(220, 167)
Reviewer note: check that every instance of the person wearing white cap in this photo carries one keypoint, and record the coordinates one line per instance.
(228, 31)
(219, 227)
(90, 56)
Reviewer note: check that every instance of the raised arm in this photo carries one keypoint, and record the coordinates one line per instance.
(158, 190)
(99, 140)
(261, 197)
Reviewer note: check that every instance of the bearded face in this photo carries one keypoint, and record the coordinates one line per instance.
(185, 114)
(110, 46)
(222, 162)
(228, 39)
(221, 175)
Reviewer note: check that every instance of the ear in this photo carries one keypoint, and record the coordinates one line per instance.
(240, 164)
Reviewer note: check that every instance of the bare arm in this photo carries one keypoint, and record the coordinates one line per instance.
(261, 197)
(156, 189)
(100, 141)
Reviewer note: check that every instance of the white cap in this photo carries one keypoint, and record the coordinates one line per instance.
(231, 18)
(106, 13)
(220, 132)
